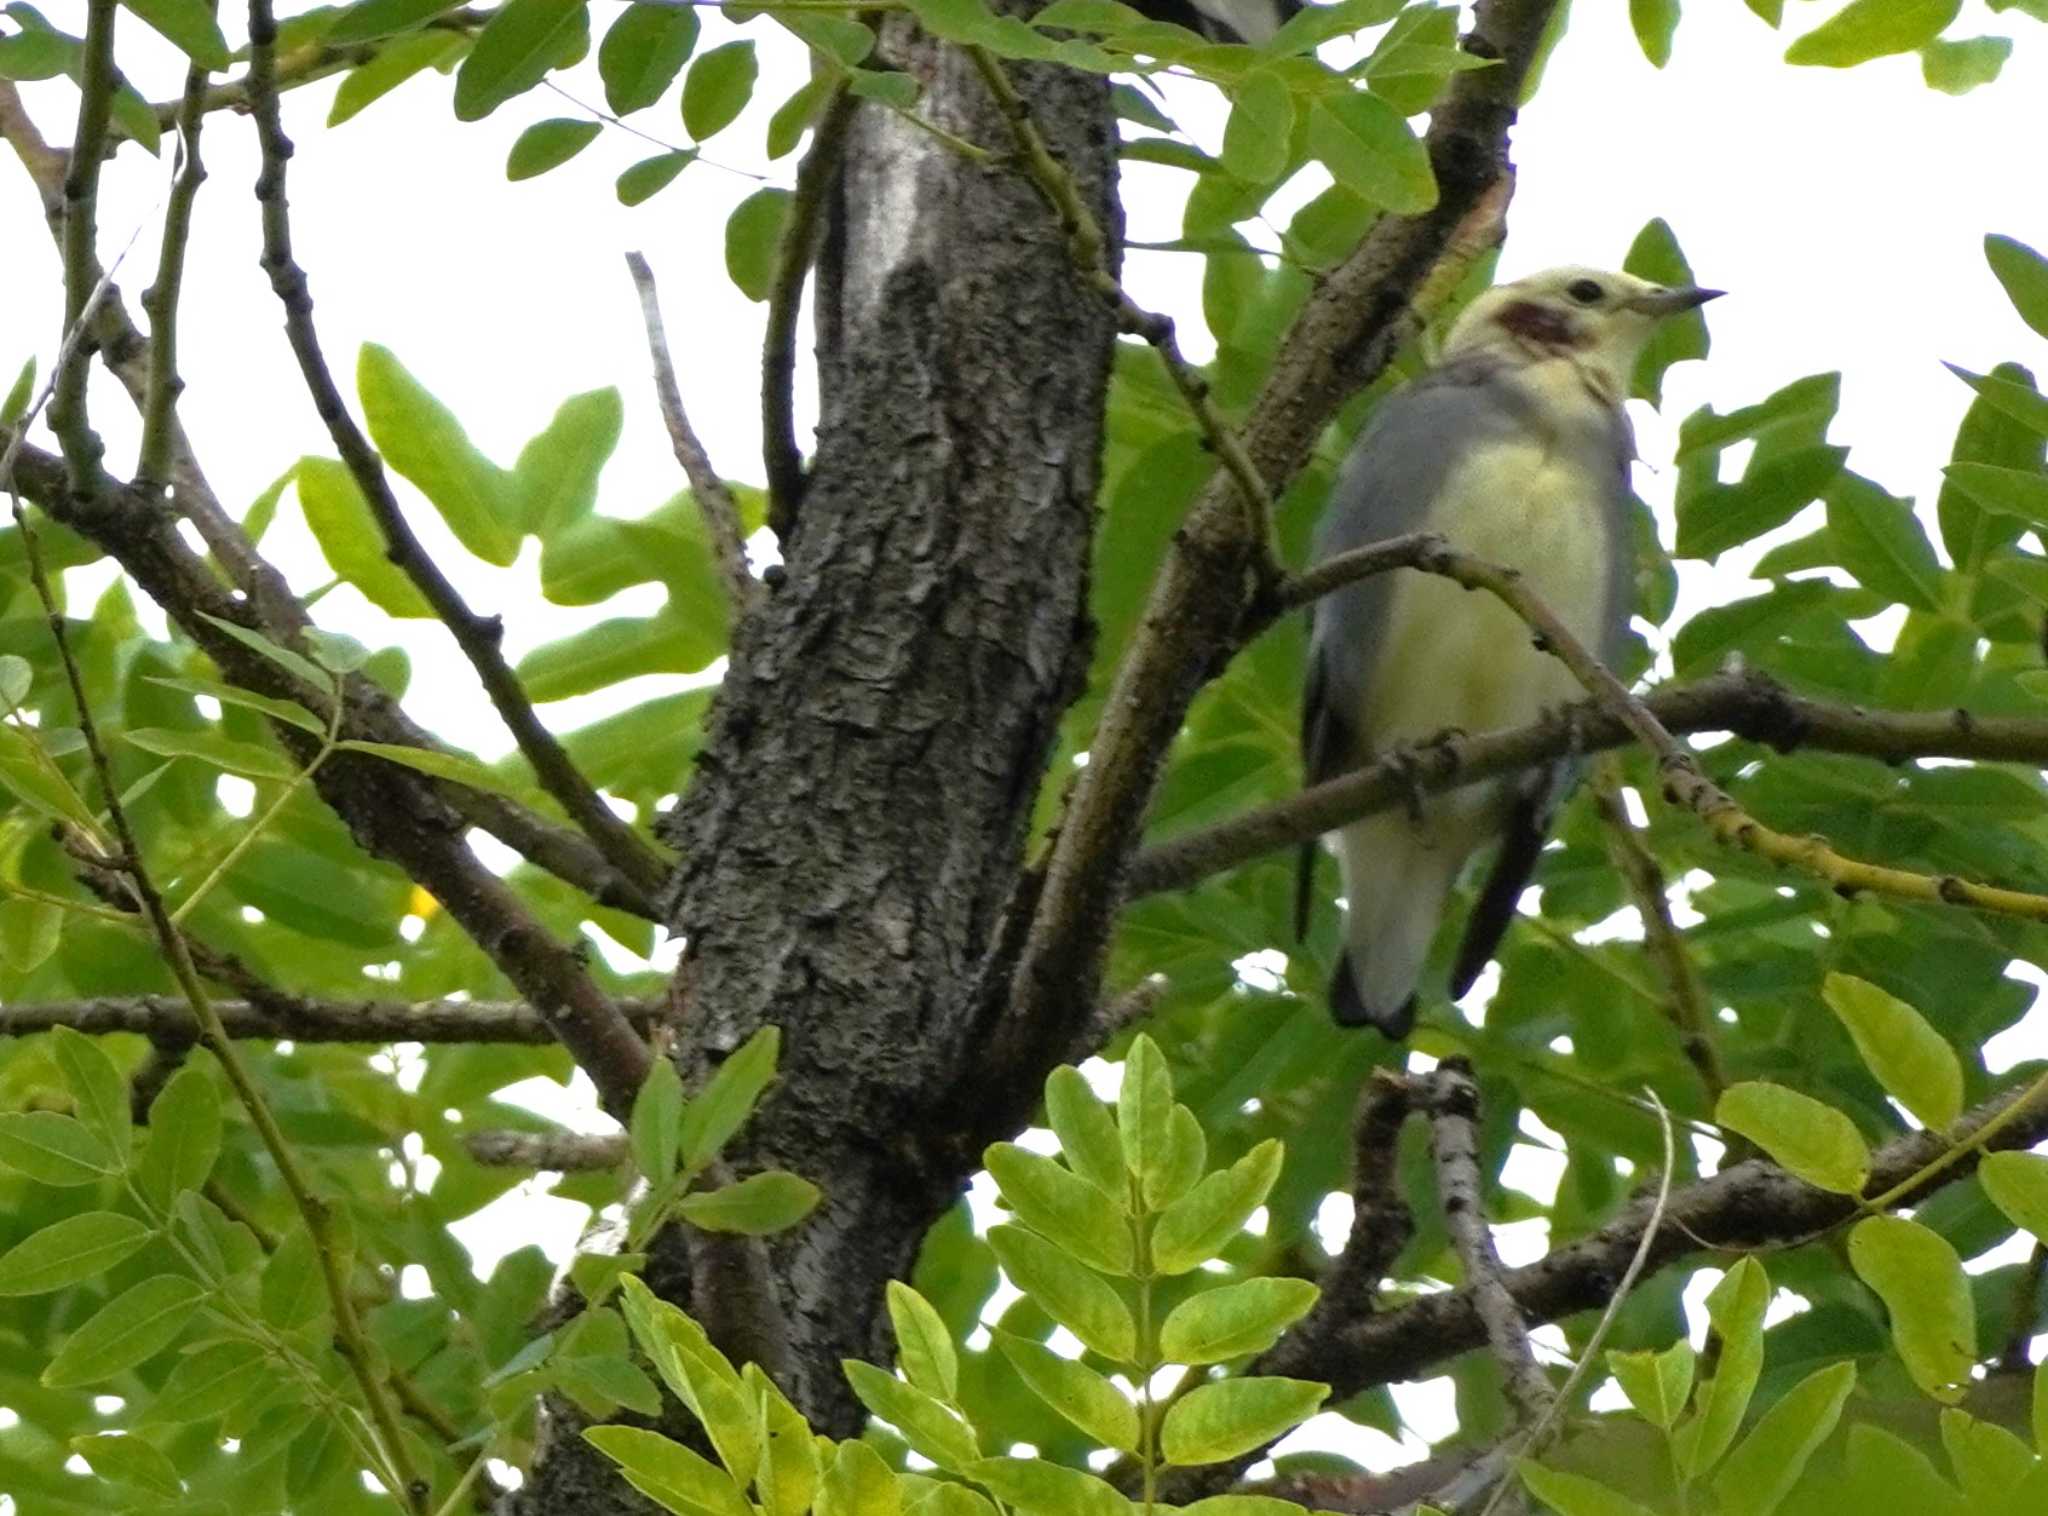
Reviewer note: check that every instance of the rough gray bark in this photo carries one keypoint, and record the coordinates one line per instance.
(858, 816)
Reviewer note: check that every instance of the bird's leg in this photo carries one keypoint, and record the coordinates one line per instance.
(1414, 761)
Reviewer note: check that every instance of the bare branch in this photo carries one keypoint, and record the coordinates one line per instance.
(780, 455)
(721, 512)
(1450, 1096)
(81, 445)
(160, 300)
(281, 1017)
(547, 1152)
(477, 636)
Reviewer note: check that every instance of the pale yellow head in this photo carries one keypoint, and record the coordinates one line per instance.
(1597, 320)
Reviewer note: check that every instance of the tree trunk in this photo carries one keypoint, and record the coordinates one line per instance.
(858, 816)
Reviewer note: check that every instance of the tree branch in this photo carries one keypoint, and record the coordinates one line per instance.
(1345, 334)
(548, 1152)
(478, 637)
(281, 1017)
(160, 300)
(781, 458)
(1450, 1097)
(720, 511)
(81, 445)
(1750, 1207)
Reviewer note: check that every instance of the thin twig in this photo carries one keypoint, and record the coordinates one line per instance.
(81, 445)
(1089, 249)
(160, 300)
(547, 1152)
(1450, 1096)
(1685, 1000)
(281, 1017)
(721, 512)
(480, 638)
(781, 457)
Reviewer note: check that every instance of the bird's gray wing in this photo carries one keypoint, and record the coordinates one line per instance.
(1539, 794)
(1388, 485)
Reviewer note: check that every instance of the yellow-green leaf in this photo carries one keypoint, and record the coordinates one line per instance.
(1910, 1058)
(1814, 1141)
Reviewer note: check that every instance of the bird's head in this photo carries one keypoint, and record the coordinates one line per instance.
(1599, 321)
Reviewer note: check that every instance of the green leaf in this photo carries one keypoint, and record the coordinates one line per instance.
(1234, 1319)
(22, 392)
(1814, 1141)
(1655, 255)
(1763, 1469)
(395, 62)
(773, 1201)
(1575, 1494)
(729, 1097)
(214, 1379)
(32, 54)
(1909, 1057)
(29, 774)
(926, 1425)
(924, 1348)
(1989, 1460)
(1866, 29)
(1884, 1472)
(1196, 1227)
(1263, 1505)
(17, 678)
(1076, 1391)
(98, 1091)
(642, 53)
(53, 1149)
(1956, 68)
(592, 1366)
(1145, 1109)
(1657, 1384)
(1261, 125)
(123, 1458)
(1654, 21)
(1187, 1157)
(2024, 274)
(717, 89)
(1076, 1298)
(294, 1291)
(668, 1473)
(1736, 1307)
(351, 540)
(212, 748)
(78, 1247)
(233, 694)
(650, 176)
(2040, 1408)
(382, 18)
(453, 767)
(1062, 1207)
(422, 440)
(2018, 1185)
(2022, 402)
(187, 25)
(858, 1484)
(656, 1128)
(1370, 149)
(139, 1323)
(1217, 1421)
(1921, 1281)
(753, 241)
(521, 42)
(842, 39)
(2008, 491)
(1314, 25)
(554, 483)
(1722, 516)
(292, 663)
(184, 1137)
(1032, 1486)
(1879, 540)
(549, 144)
(1087, 1134)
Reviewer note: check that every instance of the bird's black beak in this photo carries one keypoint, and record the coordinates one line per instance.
(1671, 302)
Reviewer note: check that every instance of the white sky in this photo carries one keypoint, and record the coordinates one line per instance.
(1844, 211)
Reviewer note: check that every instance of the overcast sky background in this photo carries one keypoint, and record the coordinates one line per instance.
(1844, 211)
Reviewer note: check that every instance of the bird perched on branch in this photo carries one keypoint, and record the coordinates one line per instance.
(1515, 448)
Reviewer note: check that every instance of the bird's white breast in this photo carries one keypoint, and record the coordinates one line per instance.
(1453, 658)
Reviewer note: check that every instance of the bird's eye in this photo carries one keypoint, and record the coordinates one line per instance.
(1586, 291)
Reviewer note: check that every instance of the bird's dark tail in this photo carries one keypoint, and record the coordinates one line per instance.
(1521, 846)
(1348, 1007)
